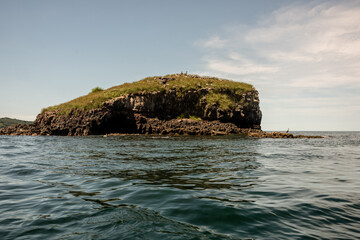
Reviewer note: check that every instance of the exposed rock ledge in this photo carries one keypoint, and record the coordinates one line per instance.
(171, 127)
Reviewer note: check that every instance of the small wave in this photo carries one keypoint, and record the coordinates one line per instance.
(9, 147)
(125, 222)
(22, 172)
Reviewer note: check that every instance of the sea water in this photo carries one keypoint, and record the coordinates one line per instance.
(186, 187)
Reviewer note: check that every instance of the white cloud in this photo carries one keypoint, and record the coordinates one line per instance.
(238, 65)
(214, 42)
(301, 51)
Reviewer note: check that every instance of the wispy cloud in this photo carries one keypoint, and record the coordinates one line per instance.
(239, 66)
(214, 42)
(301, 51)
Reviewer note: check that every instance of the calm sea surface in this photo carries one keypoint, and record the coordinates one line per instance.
(142, 187)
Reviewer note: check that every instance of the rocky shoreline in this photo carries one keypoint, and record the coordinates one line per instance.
(173, 127)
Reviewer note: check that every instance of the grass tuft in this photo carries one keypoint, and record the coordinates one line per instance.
(97, 89)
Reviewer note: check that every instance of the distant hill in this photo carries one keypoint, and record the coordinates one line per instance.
(5, 122)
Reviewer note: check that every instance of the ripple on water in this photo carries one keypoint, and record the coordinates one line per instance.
(138, 187)
(126, 222)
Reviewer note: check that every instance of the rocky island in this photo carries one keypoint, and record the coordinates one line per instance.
(174, 104)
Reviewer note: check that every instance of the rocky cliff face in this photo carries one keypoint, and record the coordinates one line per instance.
(130, 113)
(161, 111)
(169, 105)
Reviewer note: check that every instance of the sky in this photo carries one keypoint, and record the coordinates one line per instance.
(302, 56)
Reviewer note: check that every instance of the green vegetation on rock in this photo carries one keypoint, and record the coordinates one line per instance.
(6, 122)
(97, 89)
(220, 91)
(187, 116)
(224, 101)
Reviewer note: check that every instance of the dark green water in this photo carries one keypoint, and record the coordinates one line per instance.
(139, 187)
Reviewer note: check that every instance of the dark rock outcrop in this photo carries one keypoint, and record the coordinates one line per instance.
(153, 113)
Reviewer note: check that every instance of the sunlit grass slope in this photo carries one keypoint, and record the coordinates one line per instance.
(181, 83)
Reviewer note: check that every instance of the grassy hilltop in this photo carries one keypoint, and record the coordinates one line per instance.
(181, 83)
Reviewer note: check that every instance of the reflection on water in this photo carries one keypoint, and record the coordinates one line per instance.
(190, 178)
(139, 187)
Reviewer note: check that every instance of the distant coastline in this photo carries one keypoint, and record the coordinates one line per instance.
(7, 122)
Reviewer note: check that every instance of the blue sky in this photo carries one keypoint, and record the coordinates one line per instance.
(302, 56)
